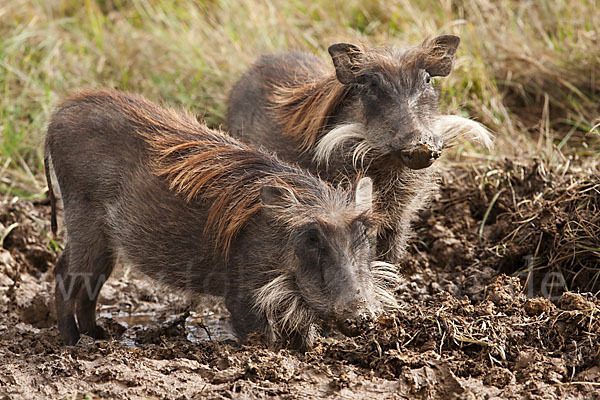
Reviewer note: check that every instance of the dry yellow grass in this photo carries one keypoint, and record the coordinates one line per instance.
(525, 69)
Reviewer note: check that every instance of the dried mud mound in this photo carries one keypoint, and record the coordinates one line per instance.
(463, 330)
(519, 219)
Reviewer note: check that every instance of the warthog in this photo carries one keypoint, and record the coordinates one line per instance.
(200, 211)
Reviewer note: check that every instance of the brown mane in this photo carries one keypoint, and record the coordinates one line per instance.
(305, 106)
(204, 165)
(211, 171)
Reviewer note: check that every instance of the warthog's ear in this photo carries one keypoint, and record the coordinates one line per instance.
(277, 196)
(346, 59)
(364, 194)
(440, 52)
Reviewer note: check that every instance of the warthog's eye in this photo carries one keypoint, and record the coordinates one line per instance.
(312, 237)
(427, 79)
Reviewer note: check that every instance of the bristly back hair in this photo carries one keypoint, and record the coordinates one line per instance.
(304, 107)
(203, 165)
(227, 175)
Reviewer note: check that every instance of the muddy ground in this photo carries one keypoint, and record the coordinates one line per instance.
(465, 330)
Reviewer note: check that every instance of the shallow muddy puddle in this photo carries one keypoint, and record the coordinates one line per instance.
(208, 325)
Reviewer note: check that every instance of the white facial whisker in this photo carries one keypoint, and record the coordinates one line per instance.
(387, 281)
(337, 137)
(453, 128)
(360, 151)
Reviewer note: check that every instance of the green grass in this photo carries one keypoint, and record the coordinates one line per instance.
(528, 70)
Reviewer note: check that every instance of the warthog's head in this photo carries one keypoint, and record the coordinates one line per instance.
(398, 102)
(333, 276)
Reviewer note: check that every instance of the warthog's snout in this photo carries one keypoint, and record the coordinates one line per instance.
(356, 325)
(356, 318)
(421, 156)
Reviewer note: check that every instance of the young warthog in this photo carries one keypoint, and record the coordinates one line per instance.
(375, 113)
(202, 212)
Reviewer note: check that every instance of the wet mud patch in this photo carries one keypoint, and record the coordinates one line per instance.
(464, 330)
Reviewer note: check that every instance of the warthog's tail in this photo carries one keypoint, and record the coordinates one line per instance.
(53, 224)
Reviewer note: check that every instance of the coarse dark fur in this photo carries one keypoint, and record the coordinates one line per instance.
(200, 211)
(375, 113)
